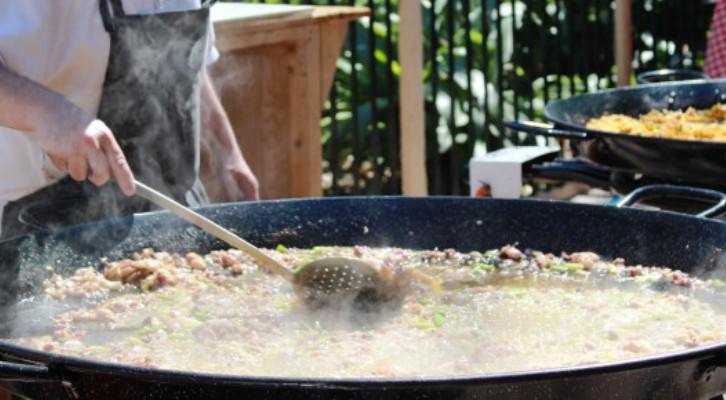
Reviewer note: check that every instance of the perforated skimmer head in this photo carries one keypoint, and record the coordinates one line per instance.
(332, 281)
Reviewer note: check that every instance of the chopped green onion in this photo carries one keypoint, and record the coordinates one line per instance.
(190, 323)
(558, 268)
(281, 249)
(423, 324)
(567, 267)
(491, 253)
(316, 253)
(575, 266)
(281, 302)
(148, 283)
(438, 319)
(201, 314)
(134, 341)
(484, 267)
(319, 250)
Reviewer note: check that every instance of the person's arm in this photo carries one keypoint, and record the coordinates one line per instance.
(225, 172)
(75, 140)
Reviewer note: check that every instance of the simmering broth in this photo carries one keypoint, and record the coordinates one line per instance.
(497, 311)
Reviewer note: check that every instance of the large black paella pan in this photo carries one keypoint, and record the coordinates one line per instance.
(652, 238)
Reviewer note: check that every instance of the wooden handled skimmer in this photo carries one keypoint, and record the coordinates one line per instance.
(212, 228)
(323, 282)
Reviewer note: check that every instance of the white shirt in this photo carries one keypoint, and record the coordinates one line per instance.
(62, 45)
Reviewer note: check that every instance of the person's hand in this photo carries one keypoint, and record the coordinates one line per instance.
(236, 179)
(85, 147)
(74, 140)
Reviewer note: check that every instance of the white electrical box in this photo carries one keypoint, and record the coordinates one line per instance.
(500, 173)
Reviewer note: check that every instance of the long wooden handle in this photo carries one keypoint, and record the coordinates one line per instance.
(212, 228)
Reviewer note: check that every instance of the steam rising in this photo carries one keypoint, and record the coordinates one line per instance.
(152, 95)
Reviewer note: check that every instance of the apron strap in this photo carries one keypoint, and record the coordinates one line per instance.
(118, 8)
(118, 11)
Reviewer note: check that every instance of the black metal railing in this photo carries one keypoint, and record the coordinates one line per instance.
(486, 61)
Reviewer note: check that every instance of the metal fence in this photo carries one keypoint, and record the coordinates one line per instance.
(486, 61)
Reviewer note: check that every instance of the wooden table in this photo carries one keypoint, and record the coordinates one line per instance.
(273, 77)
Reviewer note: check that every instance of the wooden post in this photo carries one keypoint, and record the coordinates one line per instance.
(624, 40)
(411, 89)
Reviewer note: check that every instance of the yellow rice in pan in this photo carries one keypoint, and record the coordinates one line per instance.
(689, 124)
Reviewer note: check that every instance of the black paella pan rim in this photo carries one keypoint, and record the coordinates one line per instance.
(664, 95)
(71, 364)
(62, 365)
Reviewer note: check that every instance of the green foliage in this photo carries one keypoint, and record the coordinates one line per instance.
(515, 57)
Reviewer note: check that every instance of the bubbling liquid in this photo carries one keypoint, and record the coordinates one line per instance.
(499, 311)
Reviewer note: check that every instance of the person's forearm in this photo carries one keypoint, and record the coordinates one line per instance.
(226, 173)
(217, 130)
(73, 139)
(27, 106)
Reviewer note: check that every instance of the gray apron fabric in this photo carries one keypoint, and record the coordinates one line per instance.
(150, 101)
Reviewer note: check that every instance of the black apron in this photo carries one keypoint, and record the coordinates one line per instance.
(150, 101)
